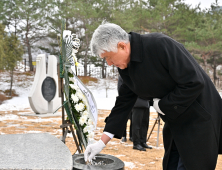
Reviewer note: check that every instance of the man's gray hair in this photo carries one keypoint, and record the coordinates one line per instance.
(106, 37)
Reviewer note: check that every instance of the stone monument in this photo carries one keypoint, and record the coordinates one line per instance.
(44, 95)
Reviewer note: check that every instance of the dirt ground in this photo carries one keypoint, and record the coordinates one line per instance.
(16, 122)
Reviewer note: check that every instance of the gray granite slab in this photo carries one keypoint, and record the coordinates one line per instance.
(34, 151)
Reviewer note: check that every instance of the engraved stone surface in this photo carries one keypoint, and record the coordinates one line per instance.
(102, 162)
(48, 88)
(34, 151)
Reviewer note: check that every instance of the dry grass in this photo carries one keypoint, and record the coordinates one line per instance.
(2, 98)
(7, 92)
(87, 79)
(149, 160)
(4, 95)
(20, 79)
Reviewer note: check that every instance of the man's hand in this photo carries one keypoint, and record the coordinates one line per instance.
(93, 149)
(156, 106)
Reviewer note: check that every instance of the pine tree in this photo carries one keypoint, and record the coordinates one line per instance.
(208, 38)
(33, 26)
(13, 52)
(2, 47)
(11, 14)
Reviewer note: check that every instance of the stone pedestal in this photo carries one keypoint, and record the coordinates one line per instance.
(109, 162)
(34, 151)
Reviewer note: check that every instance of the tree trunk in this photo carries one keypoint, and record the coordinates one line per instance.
(215, 76)
(11, 82)
(103, 68)
(203, 56)
(85, 65)
(214, 70)
(113, 71)
(27, 43)
(106, 92)
(86, 54)
(30, 54)
(85, 62)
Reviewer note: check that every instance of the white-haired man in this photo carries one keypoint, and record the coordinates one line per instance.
(156, 67)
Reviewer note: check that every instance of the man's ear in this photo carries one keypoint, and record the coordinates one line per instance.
(121, 45)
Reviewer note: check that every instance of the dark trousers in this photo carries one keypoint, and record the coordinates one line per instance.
(124, 133)
(140, 123)
(175, 162)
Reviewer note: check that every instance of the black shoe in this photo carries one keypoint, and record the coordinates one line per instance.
(131, 139)
(146, 146)
(139, 147)
(124, 139)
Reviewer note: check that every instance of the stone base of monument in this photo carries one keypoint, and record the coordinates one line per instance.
(102, 162)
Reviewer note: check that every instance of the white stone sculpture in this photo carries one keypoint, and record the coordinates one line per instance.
(44, 94)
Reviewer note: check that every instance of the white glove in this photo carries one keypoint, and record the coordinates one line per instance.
(93, 149)
(156, 105)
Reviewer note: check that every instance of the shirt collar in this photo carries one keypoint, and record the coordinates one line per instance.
(136, 47)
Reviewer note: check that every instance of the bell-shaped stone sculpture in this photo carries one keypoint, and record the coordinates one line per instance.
(43, 96)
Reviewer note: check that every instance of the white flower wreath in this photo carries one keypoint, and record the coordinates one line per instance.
(81, 107)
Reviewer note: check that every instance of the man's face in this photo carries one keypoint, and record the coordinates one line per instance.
(121, 58)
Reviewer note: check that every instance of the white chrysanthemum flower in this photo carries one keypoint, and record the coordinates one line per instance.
(82, 120)
(79, 107)
(71, 79)
(85, 101)
(90, 122)
(85, 130)
(73, 86)
(74, 98)
(80, 95)
(90, 128)
(90, 135)
(85, 113)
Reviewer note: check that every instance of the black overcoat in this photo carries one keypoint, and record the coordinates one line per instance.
(160, 67)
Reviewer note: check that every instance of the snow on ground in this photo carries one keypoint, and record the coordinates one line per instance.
(130, 165)
(22, 85)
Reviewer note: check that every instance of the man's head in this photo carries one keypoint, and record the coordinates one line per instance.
(111, 42)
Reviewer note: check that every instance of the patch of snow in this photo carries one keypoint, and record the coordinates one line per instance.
(113, 143)
(130, 165)
(8, 117)
(119, 155)
(42, 120)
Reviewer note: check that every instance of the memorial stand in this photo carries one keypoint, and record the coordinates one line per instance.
(67, 127)
(156, 122)
(66, 124)
(77, 101)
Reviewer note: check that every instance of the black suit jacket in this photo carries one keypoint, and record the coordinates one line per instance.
(162, 68)
(140, 103)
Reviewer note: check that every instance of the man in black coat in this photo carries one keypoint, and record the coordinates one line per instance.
(156, 67)
(139, 122)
